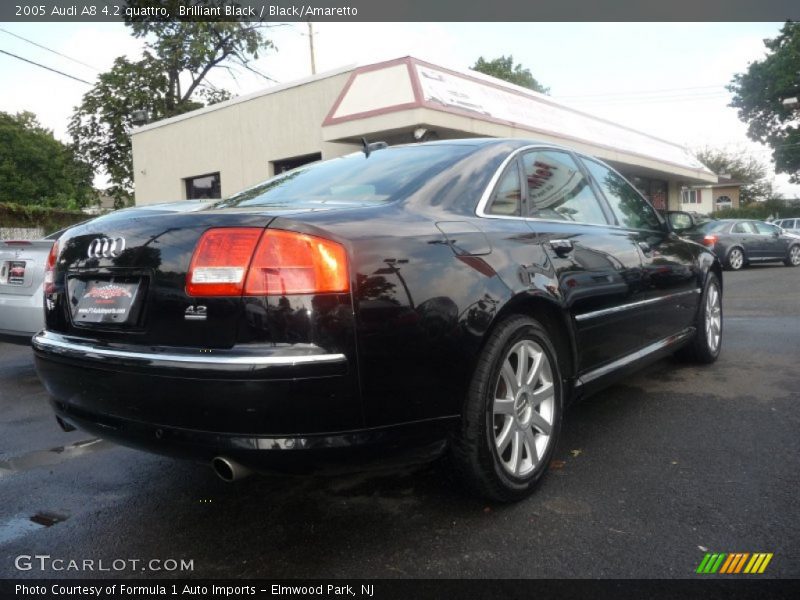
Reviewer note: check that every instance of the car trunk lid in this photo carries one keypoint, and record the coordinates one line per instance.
(123, 280)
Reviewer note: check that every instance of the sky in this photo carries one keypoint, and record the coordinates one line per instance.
(666, 79)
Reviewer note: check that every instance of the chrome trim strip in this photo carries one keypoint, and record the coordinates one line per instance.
(623, 307)
(40, 340)
(634, 356)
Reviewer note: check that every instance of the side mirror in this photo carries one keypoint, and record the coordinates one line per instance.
(679, 221)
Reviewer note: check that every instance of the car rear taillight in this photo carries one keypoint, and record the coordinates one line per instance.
(255, 262)
(220, 261)
(294, 263)
(50, 269)
(710, 240)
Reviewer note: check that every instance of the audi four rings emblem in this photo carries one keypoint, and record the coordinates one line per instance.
(106, 247)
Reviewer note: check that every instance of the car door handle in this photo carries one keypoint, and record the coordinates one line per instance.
(562, 247)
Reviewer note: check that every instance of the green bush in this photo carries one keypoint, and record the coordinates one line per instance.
(49, 219)
(761, 210)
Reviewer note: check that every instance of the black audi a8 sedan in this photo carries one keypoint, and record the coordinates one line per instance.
(389, 306)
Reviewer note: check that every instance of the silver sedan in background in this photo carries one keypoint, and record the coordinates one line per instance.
(22, 265)
(790, 225)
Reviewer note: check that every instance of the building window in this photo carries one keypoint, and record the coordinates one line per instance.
(724, 202)
(203, 187)
(690, 197)
(287, 164)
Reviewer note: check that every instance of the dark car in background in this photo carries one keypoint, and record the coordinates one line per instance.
(390, 305)
(739, 242)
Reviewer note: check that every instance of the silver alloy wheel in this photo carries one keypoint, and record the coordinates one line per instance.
(713, 317)
(794, 255)
(523, 408)
(736, 259)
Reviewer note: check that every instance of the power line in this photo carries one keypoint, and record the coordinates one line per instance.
(48, 68)
(636, 92)
(654, 99)
(24, 39)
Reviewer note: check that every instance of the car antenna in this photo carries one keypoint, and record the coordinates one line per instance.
(368, 148)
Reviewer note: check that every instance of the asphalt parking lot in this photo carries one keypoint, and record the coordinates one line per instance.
(649, 475)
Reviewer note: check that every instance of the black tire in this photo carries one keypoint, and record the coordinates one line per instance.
(735, 259)
(475, 454)
(793, 256)
(701, 349)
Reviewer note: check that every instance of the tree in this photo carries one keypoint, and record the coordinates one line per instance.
(170, 79)
(758, 94)
(37, 169)
(504, 68)
(740, 166)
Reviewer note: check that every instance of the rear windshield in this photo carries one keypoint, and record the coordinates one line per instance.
(383, 176)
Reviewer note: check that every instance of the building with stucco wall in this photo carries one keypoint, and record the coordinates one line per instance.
(219, 150)
(708, 199)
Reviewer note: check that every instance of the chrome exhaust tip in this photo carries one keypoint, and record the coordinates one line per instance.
(229, 470)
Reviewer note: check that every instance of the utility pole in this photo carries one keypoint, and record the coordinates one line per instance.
(311, 48)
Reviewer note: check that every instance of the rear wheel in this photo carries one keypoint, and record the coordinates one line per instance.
(793, 259)
(512, 413)
(705, 346)
(735, 259)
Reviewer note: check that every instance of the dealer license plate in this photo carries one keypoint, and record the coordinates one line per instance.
(105, 302)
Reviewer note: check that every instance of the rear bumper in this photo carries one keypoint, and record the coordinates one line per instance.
(253, 390)
(21, 315)
(343, 452)
(285, 408)
(250, 362)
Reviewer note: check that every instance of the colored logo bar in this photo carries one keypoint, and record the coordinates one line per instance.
(734, 563)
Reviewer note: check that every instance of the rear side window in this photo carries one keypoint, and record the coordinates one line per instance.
(743, 228)
(630, 209)
(383, 176)
(507, 196)
(557, 189)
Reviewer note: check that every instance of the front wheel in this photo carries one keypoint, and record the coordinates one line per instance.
(705, 346)
(793, 259)
(512, 413)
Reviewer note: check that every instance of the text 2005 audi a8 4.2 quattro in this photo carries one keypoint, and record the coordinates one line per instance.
(391, 305)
